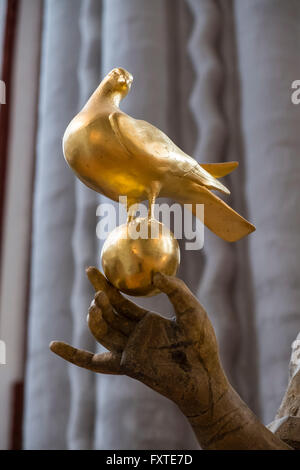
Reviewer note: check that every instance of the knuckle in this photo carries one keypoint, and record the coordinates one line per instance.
(99, 296)
(91, 308)
(176, 286)
(93, 311)
(180, 284)
(102, 300)
(174, 290)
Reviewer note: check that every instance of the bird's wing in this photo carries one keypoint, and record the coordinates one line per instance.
(218, 170)
(142, 139)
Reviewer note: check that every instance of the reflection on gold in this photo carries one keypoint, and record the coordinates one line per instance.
(130, 264)
(117, 155)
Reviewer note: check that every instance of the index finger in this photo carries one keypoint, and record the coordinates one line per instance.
(182, 299)
(122, 305)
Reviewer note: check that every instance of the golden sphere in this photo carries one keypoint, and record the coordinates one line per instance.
(133, 252)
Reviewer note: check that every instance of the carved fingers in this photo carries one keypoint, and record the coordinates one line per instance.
(106, 363)
(122, 305)
(110, 331)
(189, 312)
(113, 319)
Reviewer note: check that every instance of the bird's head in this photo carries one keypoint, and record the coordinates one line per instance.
(118, 81)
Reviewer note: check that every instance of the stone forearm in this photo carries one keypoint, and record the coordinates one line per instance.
(229, 424)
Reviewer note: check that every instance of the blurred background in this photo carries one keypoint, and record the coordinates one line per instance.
(216, 76)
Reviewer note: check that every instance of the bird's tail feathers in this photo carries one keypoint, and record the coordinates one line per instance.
(218, 170)
(218, 216)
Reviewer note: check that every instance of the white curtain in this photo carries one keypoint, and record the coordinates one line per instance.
(268, 39)
(215, 76)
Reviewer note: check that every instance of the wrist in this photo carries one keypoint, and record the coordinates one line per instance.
(227, 423)
(220, 417)
(204, 393)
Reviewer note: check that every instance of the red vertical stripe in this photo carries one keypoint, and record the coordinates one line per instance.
(7, 73)
(17, 388)
(16, 416)
(5, 109)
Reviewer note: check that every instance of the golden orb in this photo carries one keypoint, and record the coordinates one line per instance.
(133, 252)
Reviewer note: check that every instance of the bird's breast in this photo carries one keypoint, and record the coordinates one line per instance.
(95, 154)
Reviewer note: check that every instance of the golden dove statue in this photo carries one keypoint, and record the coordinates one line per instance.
(117, 155)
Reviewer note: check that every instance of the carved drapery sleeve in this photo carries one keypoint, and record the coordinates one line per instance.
(287, 421)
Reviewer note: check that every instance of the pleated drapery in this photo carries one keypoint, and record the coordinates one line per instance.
(215, 76)
(47, 405)
(268, 39)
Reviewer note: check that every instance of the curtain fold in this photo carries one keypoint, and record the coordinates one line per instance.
(239, 288)
(268, 39)
(20, 115)
(84, 243)
(47, 400)
(204, 49)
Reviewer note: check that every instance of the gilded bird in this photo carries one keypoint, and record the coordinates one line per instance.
(117, 155)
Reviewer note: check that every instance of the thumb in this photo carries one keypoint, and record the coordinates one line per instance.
(106, 363)
(187, 308)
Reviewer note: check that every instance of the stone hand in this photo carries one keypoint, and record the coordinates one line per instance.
(177, 358)
(174, 357)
